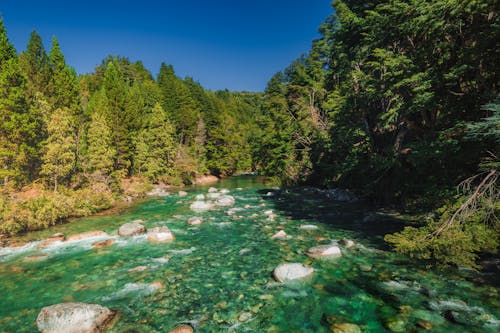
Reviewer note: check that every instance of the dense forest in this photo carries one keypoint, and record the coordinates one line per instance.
(397, 101)
(70, 145)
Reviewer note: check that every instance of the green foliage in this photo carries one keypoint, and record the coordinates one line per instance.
(100, 153)
(155, 146)
(59, 156)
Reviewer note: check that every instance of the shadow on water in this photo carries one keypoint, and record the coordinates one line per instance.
(312, 205)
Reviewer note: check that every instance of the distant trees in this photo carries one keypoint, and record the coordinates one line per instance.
(117, 122)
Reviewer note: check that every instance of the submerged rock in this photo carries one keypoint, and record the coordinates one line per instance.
(280, 235)
(55, 238)
(158, 192)
(105, 243)
(225, 200)
(182, 193)
(292, 271)
(182, 329)
(201, 206)
(347, 243)
(245, 316)
(36, 257)
(160, 234)
(74, 318)
(88, 234)
(195, 221)
(131, 229)
(345, 328)
(324, 251)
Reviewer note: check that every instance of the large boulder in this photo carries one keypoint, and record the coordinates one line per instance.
(324, 251)
(200, 206)
(160, 235)
(131, 229)
(225, 200)
(74, 318)
(292, 271)
(205, 180)
(88, 234)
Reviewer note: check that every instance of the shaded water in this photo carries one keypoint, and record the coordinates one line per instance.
(217, 276)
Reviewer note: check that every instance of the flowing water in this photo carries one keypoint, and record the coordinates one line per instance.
(218, 276)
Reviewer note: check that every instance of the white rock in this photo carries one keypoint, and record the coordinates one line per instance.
(214, 195)
(199, 197)
(195, 220)
(268, 212)
(160, 234)
(280, 234)
(347, 243)
(224, 191)
(322, 251)
(131, 229)
(292, 271)
(308, 227)
(182, 193)
(212, 190)
(201, 206)
(225, 200)
(73, 318)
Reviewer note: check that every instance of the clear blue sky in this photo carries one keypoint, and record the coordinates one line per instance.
(233, 44)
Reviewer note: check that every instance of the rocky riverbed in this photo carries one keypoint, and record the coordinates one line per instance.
(234, 258)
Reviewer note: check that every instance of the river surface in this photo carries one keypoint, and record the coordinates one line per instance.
(218, 276)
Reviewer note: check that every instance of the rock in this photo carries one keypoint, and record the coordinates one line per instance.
(224, 191)
(158, 192)
(365, 267)
(138, 269)
(339, 194)
(292, 271)
(244, 316)
(206, 180)
(182, 193)
(280, 234)
(182, 329)
(213, 190)
(160, 234)
(225, 200)
(324, 251)
(131, 229)
(370, 218)
(345, 328)
(308, 227)
(347, 243)
(268, 212)
(55, 238)
(199, 197)
(88, 234)
(105, 243)
(201, 206)
(74, 318)
(424, 324)
(195, 221)
(36, 257)
(213, 196)
(396, 324)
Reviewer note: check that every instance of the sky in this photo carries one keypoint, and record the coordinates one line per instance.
(223, 44)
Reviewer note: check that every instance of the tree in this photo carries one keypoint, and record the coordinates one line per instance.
(100, 153)
(155, 146)
(35, 64)
(59, 157)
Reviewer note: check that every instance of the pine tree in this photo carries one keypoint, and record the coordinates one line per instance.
(35, 64)
(16, 127)
(155, 146)
(100, 153)
(59, 157)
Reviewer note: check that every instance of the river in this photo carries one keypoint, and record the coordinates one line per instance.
(218, 276)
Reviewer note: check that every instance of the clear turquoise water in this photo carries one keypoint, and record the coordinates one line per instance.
(213, 273)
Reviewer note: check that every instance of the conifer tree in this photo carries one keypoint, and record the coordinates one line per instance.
(59, 157)
(100, 152)
(155, 146)
(35, 65)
